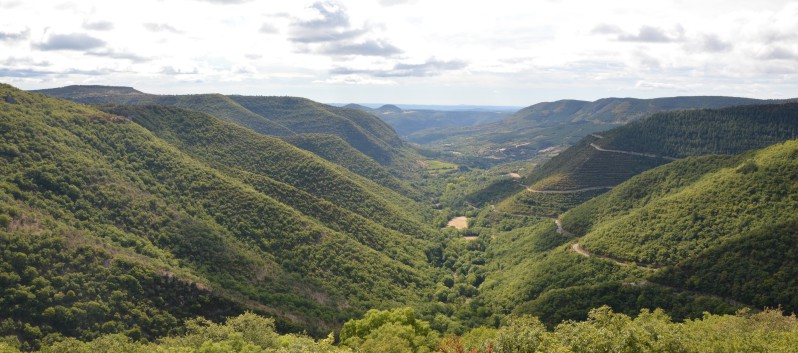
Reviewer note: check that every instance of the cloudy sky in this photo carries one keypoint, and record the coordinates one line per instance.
(496, 52)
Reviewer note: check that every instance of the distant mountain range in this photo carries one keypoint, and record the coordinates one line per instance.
(563, 122)
(410, 121)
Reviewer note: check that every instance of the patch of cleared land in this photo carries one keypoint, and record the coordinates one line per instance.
(514, 175)
(458, 222)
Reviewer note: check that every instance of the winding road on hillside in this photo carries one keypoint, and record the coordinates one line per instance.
(560, 229)
(649, 155)
(581, 251)
(568, 191)
(601, 149)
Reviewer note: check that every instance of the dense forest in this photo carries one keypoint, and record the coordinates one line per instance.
(132, 222)
(400, 330)
(603, 160)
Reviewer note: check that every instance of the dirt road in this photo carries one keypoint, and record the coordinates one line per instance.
(650, 155)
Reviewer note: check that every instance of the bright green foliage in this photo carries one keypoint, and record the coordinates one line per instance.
(759, 268)
(278, 116)
(675, 134)
(725, 224)
(247, 333)
(602, 331)
(687, 221)
(238, 149)
(363, 131)
(651, 332)
(180, 233)
(396, 330)
(521, 334)
(336, 150)
(642, 189)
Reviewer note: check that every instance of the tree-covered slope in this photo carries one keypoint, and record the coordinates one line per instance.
(760, 189)
(705, 233)
(563, 122)
(228, 146)
(533, 270)
(706, 131)
(215, 104)
(721, 225)
(279, 116)
(363, 131)
(146, 230)
(608, 158)
(336, 150)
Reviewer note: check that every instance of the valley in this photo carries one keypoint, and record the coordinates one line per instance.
(232, 223)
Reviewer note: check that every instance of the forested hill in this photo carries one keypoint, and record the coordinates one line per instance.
(214, 104)
(607, 158)
(706, 131)
(621, 110)
(279, 116)
(131, 219)
(723, 225)
(564, 122)
(706, 233)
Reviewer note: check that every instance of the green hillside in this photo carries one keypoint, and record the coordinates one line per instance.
(755, 191)
(278, 116)
(144, 228)
(336, 150)
(532, 270)
(230, 147)
(215, 104)
(564, 122)
(608, 158)
(363, 131)
(155, 223)
(721, 225)
(707, 233)
(700, 132)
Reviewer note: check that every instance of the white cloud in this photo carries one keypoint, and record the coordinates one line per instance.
(71, 41)
(355, 79)
(413, 51)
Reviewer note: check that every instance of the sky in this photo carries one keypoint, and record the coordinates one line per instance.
(497, 52)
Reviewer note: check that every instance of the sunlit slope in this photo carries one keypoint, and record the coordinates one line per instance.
(759, 189)
(227, 146)
(363, 131)
(140, 223)
(336, 150)
(720, 225)
(603, 160)
(215, 104)
(279, 116)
